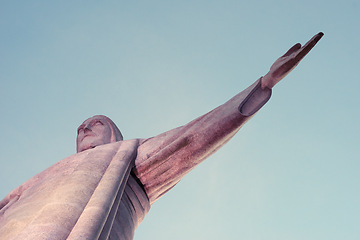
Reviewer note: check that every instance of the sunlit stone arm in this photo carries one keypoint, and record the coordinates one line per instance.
(163, 160)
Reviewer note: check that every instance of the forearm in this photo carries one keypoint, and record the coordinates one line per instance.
(258, 96)
(169, 156)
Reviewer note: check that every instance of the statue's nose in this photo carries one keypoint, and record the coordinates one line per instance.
(87, 128)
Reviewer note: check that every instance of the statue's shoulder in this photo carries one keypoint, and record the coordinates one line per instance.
(115, 146)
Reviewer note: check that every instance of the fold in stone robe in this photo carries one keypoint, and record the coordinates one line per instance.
(105, 192)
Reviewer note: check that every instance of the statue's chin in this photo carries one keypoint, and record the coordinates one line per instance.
(88, 143)
(86, 147)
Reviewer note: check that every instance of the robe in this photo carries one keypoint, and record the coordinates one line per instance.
(105, 192)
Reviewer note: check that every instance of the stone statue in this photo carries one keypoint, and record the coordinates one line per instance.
(105, 190)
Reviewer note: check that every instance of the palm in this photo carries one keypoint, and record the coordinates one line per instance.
(283, 65)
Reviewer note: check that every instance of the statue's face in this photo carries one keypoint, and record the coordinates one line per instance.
(93, 132)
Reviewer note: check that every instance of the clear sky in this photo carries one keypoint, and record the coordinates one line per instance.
(292, 172)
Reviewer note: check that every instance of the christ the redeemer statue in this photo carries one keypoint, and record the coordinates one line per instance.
(105, 190)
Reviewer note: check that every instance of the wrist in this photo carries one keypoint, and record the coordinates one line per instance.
(265, 82)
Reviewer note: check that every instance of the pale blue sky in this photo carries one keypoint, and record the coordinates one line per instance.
(292, 172)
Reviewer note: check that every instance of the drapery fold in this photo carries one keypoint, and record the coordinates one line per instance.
(97, 218)
(75, 198)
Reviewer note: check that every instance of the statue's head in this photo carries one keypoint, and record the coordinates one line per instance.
(95, 131)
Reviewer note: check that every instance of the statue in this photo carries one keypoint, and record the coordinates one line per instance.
(105, 190)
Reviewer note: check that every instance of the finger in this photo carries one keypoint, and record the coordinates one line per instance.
(292, 50)
(308, 46)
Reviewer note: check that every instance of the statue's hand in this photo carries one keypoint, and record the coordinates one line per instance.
(288, 62)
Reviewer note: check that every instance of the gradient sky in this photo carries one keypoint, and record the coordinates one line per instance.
(291, 173)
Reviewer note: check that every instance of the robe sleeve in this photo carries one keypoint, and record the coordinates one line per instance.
(164, 159)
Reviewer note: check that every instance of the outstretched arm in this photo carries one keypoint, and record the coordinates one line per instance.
(163, 160)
